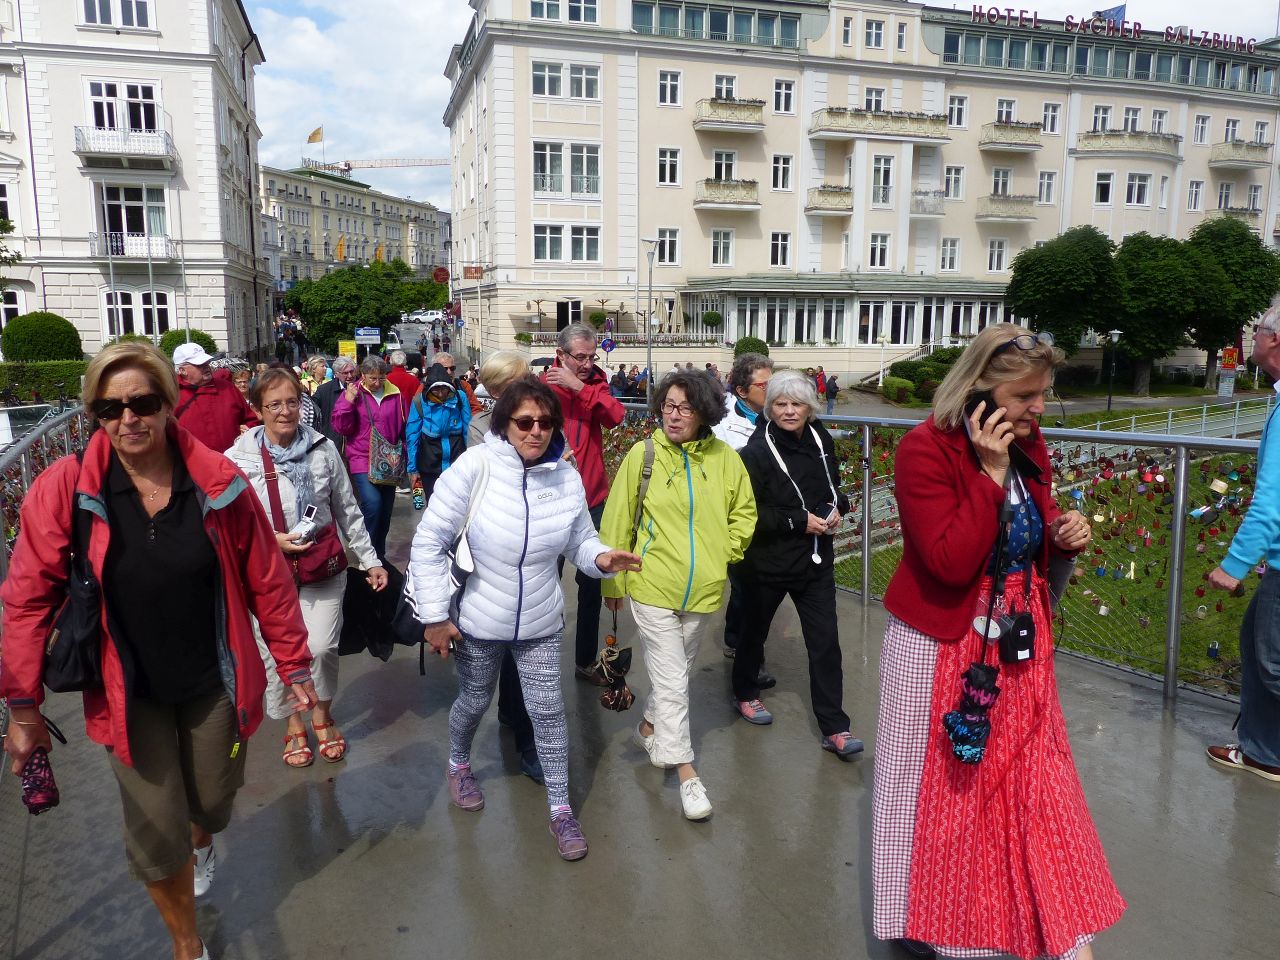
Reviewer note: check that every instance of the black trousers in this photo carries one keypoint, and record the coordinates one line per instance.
(511, 709)
(734, 609)
(815, 601)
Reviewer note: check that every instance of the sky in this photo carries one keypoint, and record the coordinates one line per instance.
(371, 72)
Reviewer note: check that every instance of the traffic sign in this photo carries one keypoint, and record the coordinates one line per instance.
(368, 335)
(459, 323)
(440, 275)
(607, 345)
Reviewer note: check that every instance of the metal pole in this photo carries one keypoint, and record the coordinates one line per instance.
(1235, 421)
(1177, 547)
(1169, 425)
(648, 329)
(1111, 381)
(1204, 419)
(866, 514)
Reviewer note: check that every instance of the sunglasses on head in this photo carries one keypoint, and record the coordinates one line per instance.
(1026, 341)
(142, 406)
(525, 424)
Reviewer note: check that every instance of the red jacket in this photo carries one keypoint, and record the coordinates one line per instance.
(213, 412)
(407, 384)
(586, 413)
(949, 509)
(255, 579)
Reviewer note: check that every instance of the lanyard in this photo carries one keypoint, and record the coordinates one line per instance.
(816, 557)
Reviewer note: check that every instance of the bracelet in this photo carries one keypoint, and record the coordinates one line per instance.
(23, 723)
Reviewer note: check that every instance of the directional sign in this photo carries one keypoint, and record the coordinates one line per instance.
(368, 335)
(440, 275)
(607, 345)
(459, 323)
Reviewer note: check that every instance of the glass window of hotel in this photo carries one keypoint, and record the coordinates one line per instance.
(718, 18)
(669, 166)
(97, 11)
(584, 169)
(582, 11)
(1082, 57)
(642, 17)
(548, 242)
(1261, 128)
(1049, 118)
(103, 102)
(1164, 67)
(1101, 118)
(844, 250)
(956, 109)
(546, 79)
(806, 320)
(584, 244)
(878, 254)
(1132, 119)
(1255, 196)
(1048, 179)
(949, 259)
(781, 172)
(584, 82)
(995, 255)
(1120, 63)
(544, 9)
(882, 181)
(1142, 65)
(1231, 131)
(12, 306)
(873, 99)
(846, 33)
(668, 20)
(1005, 110)
(1200, 131)
(1164, 193)
(780, 250)
(668, 245)
(725, 86)
(1101, 61)
(669, 88)
(874, 35)
(953, 183)
(973, 49)
(784, 92)
(766, 28)
(695, 22)
(743, 24)
(1138, 190)
(1203, 67)
(1000, 177)
(1224, 195)
(833, 319)
(1159, 120)
(548, 168)
(995, 51)
(723, 163)
(1195, 193)
(902, 36)
(1102, 188)
(722, 248)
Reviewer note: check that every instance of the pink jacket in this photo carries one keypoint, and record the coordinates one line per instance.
(353, 422)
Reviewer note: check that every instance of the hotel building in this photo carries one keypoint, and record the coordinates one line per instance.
(840, 179)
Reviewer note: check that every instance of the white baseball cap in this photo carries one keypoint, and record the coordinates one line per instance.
(191, 353)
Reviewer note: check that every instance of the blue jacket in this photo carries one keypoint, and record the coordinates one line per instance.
(1259, 533)
(437, 432)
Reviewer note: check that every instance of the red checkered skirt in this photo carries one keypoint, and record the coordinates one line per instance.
(998, 857)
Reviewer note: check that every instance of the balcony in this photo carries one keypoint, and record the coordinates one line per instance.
(839, 123)
(585, 186)
(1247, 214)
(131, 246)
(1006, 208)
(726, 195)
(720, 115)
(1239, 155)
(1130, 143)
(548, 183)
(1000, 137)
(829, 200)
(1275, 229)
(927, 204)
(139, 149)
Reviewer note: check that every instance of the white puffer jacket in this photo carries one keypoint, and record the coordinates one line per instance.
(734, 429)
(526, 519)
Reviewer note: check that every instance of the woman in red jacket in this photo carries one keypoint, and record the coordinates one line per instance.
(996, 856)
(185, 556)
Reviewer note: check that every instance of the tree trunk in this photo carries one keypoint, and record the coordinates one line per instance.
(1211, 370)
(1141, 378)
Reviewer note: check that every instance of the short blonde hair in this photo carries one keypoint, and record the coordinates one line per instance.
(130, 355)
(791, 385)
(502, 368)
(980, 368)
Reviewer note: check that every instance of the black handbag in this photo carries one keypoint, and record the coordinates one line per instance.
(73, 652)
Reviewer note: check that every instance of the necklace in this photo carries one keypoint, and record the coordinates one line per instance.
(154, 493)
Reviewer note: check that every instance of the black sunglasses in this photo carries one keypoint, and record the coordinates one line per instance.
(1025, 341)
(143, 406)
(525, 424)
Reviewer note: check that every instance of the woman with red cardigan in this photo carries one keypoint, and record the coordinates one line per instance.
(999, 856)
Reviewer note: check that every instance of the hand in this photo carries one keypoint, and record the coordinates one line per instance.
(991, 441)
(26, 732)
(1222, 580)
(288, 543)
(414, 480)
(376, 578)
(618, 561)
(561, 377)
(613, 604)
(834, 523)
(1071, 532)
(440, 637)
(352, 391)
(815, 525)
(304, 696)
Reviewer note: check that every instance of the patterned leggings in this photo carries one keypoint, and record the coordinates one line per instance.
(538, 663)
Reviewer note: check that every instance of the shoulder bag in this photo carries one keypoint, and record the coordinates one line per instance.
(73, 651)
(386, 459)
(326, 558)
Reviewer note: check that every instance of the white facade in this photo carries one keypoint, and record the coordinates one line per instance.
(825, 175)
(128, 151)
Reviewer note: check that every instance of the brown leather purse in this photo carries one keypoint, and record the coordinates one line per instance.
(326, 558)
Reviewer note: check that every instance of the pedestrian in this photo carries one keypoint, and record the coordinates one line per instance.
(305, 470)
(368, 414)
(820, 382)
(345, 373)
(981, 845)
(435, 343)
(450, 366)
(1258, 538)
(696, 517)
(185, 560)
(241, 379)
(589, 409)
(833, 393)
(531, 510)
(405, 382)
(209, 407)
(436, 434)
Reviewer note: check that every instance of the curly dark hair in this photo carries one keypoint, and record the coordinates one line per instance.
(516, 393)
(702, 392)
(744, 370)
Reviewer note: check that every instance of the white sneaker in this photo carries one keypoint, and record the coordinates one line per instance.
(204, 955)
(206, 863)
(646, 744)
(693, 798)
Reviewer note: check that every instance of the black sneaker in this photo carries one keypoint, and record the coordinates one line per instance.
(766, 680)
(916, 948)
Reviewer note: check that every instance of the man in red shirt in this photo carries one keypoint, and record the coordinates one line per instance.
(405, 382)
(210, 407)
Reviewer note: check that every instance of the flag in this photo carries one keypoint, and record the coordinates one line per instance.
(377, 253)
(1112, 14)
(340, 252)
(317, 135)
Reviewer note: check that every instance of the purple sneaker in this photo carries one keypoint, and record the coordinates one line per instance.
(753, 711)
(843, 745)
(569, 839)
(464, 791)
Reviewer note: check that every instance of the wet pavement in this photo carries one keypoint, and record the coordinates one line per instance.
(366, 859)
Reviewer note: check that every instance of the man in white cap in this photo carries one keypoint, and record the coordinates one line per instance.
(210, 407)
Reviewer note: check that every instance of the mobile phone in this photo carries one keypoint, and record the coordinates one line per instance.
(306, 527)
(977, 397)
(827, 511)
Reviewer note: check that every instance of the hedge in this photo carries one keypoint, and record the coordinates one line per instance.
(41, 336)
(43, 377)
(907, 370)
(750, 345)
(926, 390)
(174, 338)
(897, 389)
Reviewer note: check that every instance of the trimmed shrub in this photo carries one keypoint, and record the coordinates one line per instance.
(175, 338)
(926, 390)
(129, 338)
(907, 370)
(946, 355)
(929, 370)
(712, 319)
(896, 389)
(524, 337)
(43, 377)
(40, 336)
(750, 345)
(597, 318)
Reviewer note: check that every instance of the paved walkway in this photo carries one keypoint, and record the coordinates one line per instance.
(365, 859)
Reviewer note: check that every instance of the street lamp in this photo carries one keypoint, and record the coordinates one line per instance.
(883, 339)
(648, 331)
(1111, 380)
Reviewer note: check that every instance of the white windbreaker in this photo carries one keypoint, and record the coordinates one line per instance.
(526, 519)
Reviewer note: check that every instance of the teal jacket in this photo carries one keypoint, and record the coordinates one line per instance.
(1259, 533)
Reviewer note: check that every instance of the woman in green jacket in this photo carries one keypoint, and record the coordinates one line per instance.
(697, 517)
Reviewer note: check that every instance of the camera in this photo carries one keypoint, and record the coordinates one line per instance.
(1017, 637)
(306, 528)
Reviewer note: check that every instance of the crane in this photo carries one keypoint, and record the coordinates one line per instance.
(343, 168)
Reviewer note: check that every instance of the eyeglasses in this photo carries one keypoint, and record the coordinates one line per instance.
(451, 369)
(1263, 329)
(1025, 341)
(275, 406)
(582, 357)
(760, 383)
(142, 406)
(525, 424)
(681, 408)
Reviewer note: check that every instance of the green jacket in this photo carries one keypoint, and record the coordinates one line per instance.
(699, 515)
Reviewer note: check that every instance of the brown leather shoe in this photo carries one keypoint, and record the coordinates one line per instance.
(1232, 756)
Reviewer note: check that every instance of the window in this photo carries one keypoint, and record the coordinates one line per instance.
(722, 248)
(103, 101)
(846, 35)
(725, 86)
(953, 183)
(1101, 118)
(1159, 121)
(780, 250)
(582, 11)
(1049, 119)
(548, 242)
(875, 34)
(669, 88)
(902, 36)
(873, 99)
(783, 96)
(155, 313)
(1004, 111)
(135, 13)
(668, 245)
(995, 255)
(1000, 177)
(724, 163)
(1231, 131)
(844, 250)
(584, 82)
(1138, 190)
(1224, 195)
(584, 170)
(955, 110)
(1260, 130)
(950, 254)
(97, 11)
(882, 180)
(140, 106)
(1255, 196)
(1102, 188)
(1200, 132)
(1132, 119)
(1195, 191)
(669, 166)
(548, 168)
(584, 244)
(781, 172)
(1048, 179)
(1164, 193)
(120, 312)
(544, 9)
(878, 254)
(546, 79)
(4, 201)
(133, 213)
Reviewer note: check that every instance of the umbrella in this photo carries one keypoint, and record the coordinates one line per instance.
(542, 362)
(968, 726)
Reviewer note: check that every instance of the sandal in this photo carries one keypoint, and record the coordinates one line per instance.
(338, 743)
(303, 752)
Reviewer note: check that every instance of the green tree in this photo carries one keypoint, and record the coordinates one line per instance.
(1158, 282)
(1066, 286)
(750, 345)
(178, 335)
(41, 336)
(1250, 278)
(7, 257)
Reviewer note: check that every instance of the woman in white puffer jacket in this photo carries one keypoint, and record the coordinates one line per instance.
(531, 510)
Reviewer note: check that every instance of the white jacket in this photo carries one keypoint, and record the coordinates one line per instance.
(734, 429)
(335, 498)
(526, 519)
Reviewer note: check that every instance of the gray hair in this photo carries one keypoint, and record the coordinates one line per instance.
(399, 358)
(1270, 320)
(791, 385)
(574, 332)
(342, 363)
(374, 364)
